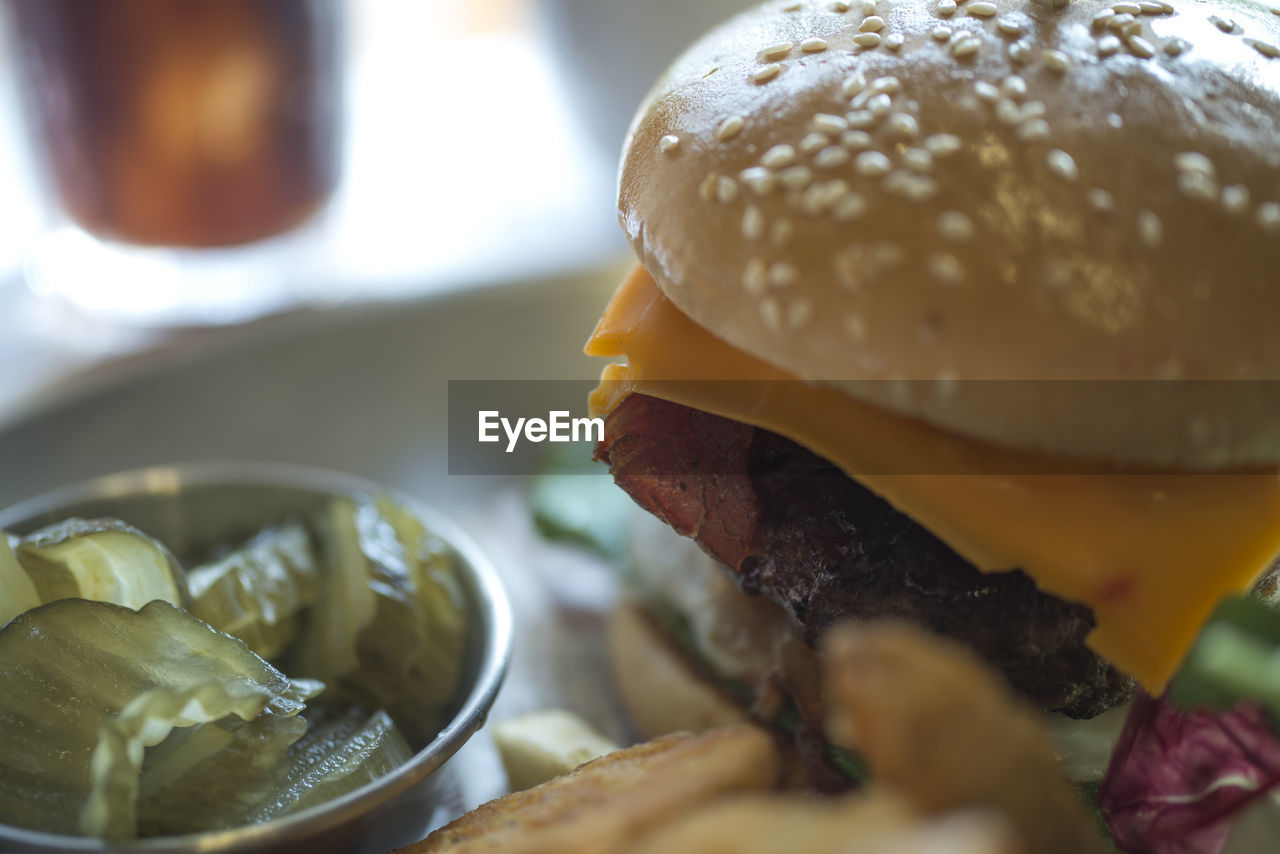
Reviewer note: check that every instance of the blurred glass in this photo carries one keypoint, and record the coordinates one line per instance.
(183, 122)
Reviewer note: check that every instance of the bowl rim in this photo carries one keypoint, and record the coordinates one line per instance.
(485, 587)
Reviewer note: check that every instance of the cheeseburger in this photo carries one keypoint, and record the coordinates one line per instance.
(958, 313)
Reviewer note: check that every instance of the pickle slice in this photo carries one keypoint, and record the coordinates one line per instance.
(389, 626)
(256, 592)
(336, 756)
(89, 685)
(104, 560)
(17, 593)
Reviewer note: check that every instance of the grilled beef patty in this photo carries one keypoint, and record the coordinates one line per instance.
(793, 527)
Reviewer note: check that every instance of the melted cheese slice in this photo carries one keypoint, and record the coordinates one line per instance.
(1151, 554)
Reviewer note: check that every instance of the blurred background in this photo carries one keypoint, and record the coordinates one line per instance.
(169, 167)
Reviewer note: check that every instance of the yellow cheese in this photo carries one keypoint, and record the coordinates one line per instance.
(1151, 554)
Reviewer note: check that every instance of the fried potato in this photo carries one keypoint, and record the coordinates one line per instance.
(876, 823)
(612, 800)
(536, 747)
(940, 730)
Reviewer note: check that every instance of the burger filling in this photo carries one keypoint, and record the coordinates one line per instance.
(793, 528)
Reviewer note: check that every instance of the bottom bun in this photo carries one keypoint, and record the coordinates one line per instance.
(662, 688)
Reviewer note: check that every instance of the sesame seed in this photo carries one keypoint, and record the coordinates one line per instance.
(943, 144)
(1007, 112)
(982, 9)
(903, 126)
(765, 73)
(799, 313)
(1014, 87)
(1198, 185)
(840, 6)
(946, 269)
(940, 33)
(827, 123)
(778, 157)
(946, 8)
(669, 143)
(1193, 161)
(814, 142)
(1118, 22)
(986, 91)
(855, 140)
(760, 180)
(729, 128)
(726, 190)
(874, 24)
(869, 7)
(781, 232)
(754, 277)
(1226, 25)
(1150, 229)
(771, 314)
(853, 84)
(813, 45)
(777, 51)
(1140, 47)
(1270, 51)
(893, 41)
(1269, 216)
(753, 224)
(1176, 46)
(1033, 130)
(1126, 8)
(1155, 8)
(918, 159)
(886, 86)
(1061, 164)
(955, 227)
(910, 186)
(1100, 19)
(872, 164)
(1115, 120)
(965, 48)
(707, 189)
(1108, 45)
(1101, 201)
(880, 105)
(1056, 61)
(831, 157)
(1020, 53)
(1010, 26)
(855, 326)
(782, 275)
(849, 207)
(1235, 199)
(1033, 110)
(860, 119)
(795, 177)
(867, 40)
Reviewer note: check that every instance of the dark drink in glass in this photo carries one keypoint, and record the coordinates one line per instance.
(188, 123)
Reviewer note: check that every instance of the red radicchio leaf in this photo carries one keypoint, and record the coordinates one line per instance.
(1178, 778)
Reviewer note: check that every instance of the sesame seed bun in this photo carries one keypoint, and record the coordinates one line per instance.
(995, 190)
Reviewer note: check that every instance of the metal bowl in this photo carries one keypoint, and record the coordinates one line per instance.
(193, 507)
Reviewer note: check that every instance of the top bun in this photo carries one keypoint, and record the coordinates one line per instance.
(915, 189)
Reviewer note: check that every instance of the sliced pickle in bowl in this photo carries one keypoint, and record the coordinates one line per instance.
(104, 560)
(17, 593)
(337, 755)
(258, 590)
(388, 628)
(90, 684)
(144, 700)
